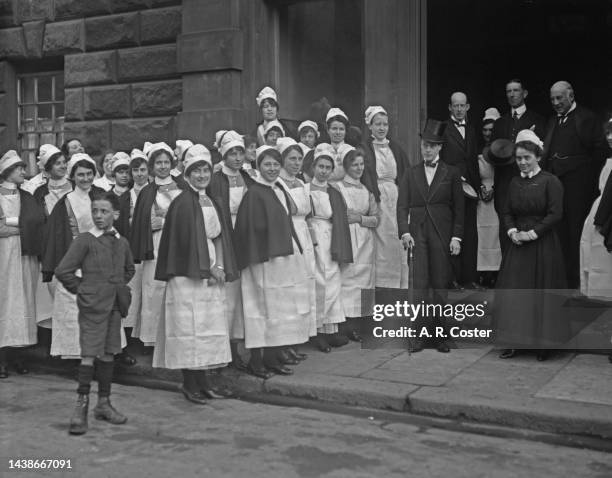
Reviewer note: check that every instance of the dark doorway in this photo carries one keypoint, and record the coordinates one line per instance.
(321, 55)
(476, 46)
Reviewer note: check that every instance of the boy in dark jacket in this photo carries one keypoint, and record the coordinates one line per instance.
(105, 259)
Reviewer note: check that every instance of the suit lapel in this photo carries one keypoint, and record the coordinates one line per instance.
(437, 179)
(552, 123)
(455, 134)
(421, 180)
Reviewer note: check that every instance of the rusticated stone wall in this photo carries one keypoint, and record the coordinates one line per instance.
(122, 83)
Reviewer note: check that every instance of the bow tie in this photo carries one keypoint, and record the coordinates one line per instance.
(459, 124)
(431, 164)
(111, 233)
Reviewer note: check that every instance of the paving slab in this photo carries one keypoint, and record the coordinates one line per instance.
(428, 367)
(582, 380)
(505, 392)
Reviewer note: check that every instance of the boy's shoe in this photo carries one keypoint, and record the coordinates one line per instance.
(78, 422)
(105, 411)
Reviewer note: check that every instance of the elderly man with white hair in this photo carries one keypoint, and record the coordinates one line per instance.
(574, 151)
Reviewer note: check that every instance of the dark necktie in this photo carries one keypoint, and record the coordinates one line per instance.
(431, 164)
(515, 119)
(459, 124)
(111, 233)
(562, 119)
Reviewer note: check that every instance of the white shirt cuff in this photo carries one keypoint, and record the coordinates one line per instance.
(455, 239)
(512, 231)
(12, 221)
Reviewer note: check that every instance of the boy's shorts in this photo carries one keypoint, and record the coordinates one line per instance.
(100, 338)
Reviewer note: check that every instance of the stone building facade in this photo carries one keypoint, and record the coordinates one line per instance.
(115, 73)
(134, 70)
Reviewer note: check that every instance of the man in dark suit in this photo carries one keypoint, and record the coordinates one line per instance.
(461, 151)
(430, 219)
(574, 151)
(516, 119)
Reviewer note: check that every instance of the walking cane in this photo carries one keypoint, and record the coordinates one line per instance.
(410, 288)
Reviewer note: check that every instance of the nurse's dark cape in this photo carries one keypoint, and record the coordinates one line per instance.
(263, 228)
(183, 248)
(140, 233)
(341, 246)
(31, 225)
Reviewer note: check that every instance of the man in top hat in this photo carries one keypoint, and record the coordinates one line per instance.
(461, 150)
(430, 213)
(574, 151)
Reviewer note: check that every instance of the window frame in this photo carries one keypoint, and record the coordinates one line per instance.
(57, 129)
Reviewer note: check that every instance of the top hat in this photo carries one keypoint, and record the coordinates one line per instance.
(433, 131)
(500, 153)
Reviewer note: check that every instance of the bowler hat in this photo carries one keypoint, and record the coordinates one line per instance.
(500, 153)
(433, 131)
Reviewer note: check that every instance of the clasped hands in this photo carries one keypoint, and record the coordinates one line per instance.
(518, 237)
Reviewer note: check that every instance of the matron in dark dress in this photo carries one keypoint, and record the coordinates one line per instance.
(526, 316)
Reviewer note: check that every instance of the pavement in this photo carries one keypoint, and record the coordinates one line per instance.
(165, 435)
(569, 393)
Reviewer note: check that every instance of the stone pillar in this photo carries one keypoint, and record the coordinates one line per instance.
(395, 39)
(225, 55)
(210, 59)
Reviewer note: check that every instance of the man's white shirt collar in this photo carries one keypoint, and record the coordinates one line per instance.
(94, 231)
(520, 111)
(572, 108)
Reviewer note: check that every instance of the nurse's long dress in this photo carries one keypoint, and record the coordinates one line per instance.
(391, 258)
(526, 316)
(56, 189)
(193, 330)
(360, 275)
(489, 251)
(299, 193)
(327, 272)
(153, 290)
(276, 298)
(17, 281)
(595, 260)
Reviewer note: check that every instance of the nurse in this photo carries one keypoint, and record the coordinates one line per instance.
(363, 216)
(275, 293)
(145, 233)
(21, 223)
(332, 245)
(385, 163)
(195, 257)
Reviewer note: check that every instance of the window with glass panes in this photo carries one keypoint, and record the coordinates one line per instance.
(40, 101)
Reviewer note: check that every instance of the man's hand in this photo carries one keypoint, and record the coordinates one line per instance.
(455, 247)
(407, 241)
